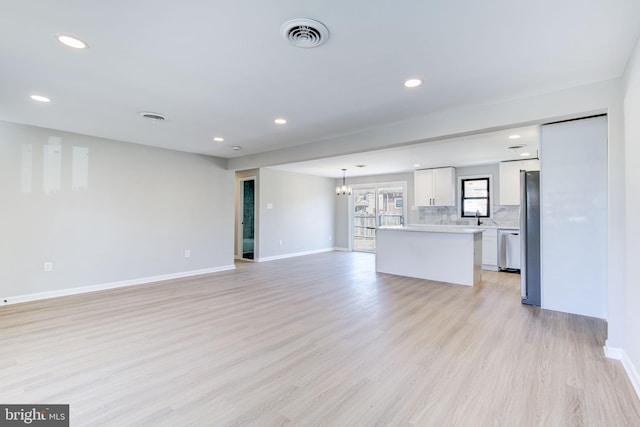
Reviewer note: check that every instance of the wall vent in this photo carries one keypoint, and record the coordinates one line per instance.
(152, 116)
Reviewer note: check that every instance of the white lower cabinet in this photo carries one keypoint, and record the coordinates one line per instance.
(490, 249)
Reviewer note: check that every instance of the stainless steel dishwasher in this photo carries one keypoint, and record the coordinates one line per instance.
(509, 250)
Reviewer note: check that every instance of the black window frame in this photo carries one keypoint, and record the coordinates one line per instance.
(463, 198)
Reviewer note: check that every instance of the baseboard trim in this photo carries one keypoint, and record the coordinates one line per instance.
(631, 370)
(341, 249)
(273, 258)
(105, 286)
(613, 352)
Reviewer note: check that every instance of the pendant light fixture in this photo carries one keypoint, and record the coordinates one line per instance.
(344, 190)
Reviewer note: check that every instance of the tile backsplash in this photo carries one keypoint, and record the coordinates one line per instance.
(503, 216)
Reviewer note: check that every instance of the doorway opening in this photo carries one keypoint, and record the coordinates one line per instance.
(247, 213)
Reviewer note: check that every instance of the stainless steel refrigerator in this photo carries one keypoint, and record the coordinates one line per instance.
(530, 237)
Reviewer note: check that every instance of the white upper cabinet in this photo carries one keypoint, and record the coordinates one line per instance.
(510, 179)
(435, 187)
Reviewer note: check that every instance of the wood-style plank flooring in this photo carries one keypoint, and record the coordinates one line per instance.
(314, 340)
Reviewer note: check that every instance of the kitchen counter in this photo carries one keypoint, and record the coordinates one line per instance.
(479, 227)
(443, 253)
(434, 229)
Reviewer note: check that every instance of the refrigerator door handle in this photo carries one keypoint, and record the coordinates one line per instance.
(523, 234)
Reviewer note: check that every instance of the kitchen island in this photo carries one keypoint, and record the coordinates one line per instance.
(446, 254)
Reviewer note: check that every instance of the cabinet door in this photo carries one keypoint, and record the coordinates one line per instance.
(423, 187)
(510, 179)
(531, 165)
(510, 182)
(490, 248)
(435, 187)
(444, 190)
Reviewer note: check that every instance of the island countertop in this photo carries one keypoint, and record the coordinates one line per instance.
(472, 226)
(434, 229)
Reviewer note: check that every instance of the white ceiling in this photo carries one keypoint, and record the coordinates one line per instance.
(481, 149)
(221, 68)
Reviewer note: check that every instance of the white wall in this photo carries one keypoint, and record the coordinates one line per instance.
(296, 214)
(632, 191)
(132, 218)
(573, 217)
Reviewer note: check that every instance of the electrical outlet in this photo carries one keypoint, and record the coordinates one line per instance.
(48, 266)
(330, 238)
(280, 242)
(187, 253)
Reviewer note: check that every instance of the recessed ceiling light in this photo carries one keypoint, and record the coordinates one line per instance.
(218, 139)
(236, 148)
(361, 166)
(516, 146)
(413, 83)
(514, 136)
(416, 165)
(72, 42)
(40, 98)
(280, 121)
(525, 154)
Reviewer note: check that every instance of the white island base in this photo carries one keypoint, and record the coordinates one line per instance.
(443, 254)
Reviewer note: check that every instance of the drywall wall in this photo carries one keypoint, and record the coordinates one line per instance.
(103, 211)
(573, 217)
(296, 214)
(632, 183)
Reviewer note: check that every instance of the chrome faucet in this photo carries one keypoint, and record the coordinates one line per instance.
(478, 217)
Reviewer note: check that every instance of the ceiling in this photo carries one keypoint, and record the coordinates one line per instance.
(222, 68)
(480, 149)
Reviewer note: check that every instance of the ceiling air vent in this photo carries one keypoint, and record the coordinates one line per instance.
(152, 116)
(305, 32)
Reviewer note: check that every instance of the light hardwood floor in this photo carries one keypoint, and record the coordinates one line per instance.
(315, 340)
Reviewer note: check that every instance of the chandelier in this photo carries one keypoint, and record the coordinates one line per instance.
(344, 189)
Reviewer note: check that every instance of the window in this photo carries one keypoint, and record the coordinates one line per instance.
(475, 197)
